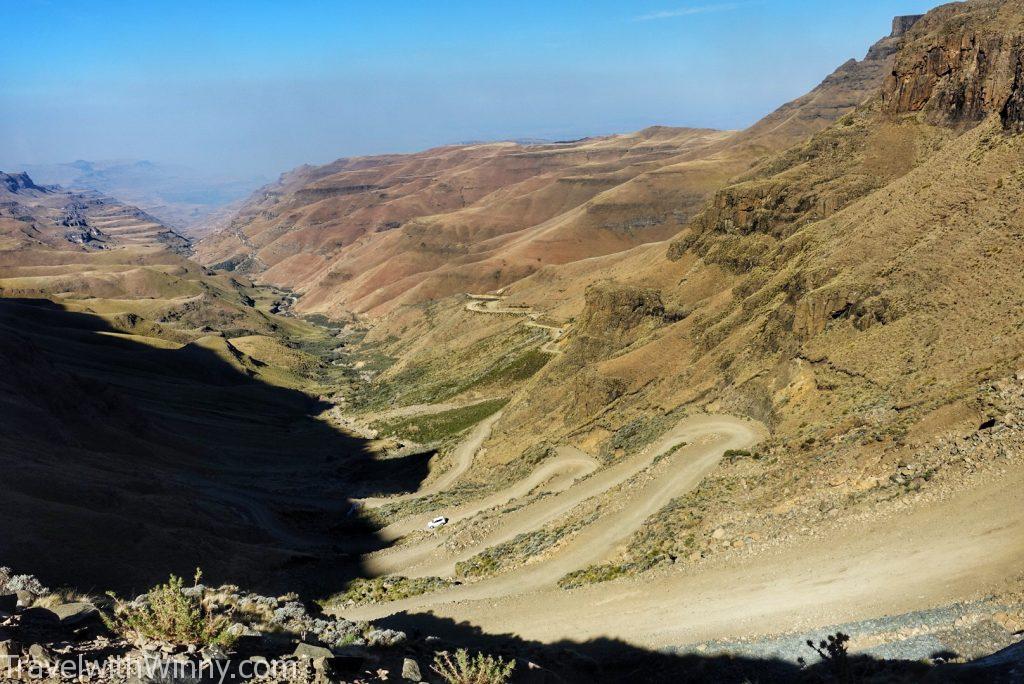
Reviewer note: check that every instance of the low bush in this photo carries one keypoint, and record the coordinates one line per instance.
(383, 589)
(477, 669)
(170, 614)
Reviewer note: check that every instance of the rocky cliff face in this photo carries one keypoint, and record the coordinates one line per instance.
(962, 63)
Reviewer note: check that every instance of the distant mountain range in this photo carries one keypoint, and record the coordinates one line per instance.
(179, 196)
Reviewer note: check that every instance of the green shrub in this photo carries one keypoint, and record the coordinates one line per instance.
(478, 669)
(169, 614)
(733, 455)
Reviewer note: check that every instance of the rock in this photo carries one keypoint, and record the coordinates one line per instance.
(385, 638)
(39, 616)
(1010, 623)
(25, 598)
(71, 614)
(411, 670)
(343, 668)
(718, 534)
(213, 653)
(9, 649)
(42, 655)
(309, 651)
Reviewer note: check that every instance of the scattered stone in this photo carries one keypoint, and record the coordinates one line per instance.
(309, 651)
(9, 649)
(385, 638)
(42, 655)
(71, 614)
(411, 670)
(718, 534)
(25, 598)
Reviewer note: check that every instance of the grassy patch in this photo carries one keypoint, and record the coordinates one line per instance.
(520, 368)
(440, 426)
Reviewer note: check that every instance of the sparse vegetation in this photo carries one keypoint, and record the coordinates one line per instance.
(833, 652)
(512, 553)
(440, 426)
(520, 368)
(636, 434)
(172, 615)
(476, 669)
(383, 589)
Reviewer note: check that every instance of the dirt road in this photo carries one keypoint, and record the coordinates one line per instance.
(948, 551)
(953, 551)
(706, 437)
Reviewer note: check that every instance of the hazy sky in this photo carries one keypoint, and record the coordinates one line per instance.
(254, 87)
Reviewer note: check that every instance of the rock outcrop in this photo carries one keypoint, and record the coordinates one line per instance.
(963, 62)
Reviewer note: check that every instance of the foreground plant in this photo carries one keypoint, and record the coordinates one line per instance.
(478, 669)
(170, 614)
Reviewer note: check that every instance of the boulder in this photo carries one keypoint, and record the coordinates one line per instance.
(71, 614)
(304, 650)
(25, 598)
(42, 655)
(411, 670)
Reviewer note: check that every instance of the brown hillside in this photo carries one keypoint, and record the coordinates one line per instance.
(859, 292)
(374, 233)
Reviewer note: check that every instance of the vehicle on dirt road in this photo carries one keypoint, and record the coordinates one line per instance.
(439, 521)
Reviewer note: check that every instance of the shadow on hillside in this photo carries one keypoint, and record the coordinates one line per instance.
(121, 462)
(612, 660)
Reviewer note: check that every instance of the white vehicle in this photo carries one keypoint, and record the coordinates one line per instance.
(439, 521)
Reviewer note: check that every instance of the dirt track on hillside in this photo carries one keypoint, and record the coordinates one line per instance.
(925, 558)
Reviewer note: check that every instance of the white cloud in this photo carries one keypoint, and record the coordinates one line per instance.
(690, 11)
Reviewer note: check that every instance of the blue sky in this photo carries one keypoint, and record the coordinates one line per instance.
(258, 87)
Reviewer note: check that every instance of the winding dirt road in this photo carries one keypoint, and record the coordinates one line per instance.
(934, 555)
(706, 438)
(491, 304)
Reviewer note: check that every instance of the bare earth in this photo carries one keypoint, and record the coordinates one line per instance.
(881, 567)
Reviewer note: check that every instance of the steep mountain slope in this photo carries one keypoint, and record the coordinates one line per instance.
(156, 416)
(859, 293)
(371, 234)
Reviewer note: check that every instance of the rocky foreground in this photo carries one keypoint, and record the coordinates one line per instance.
(48, 636)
